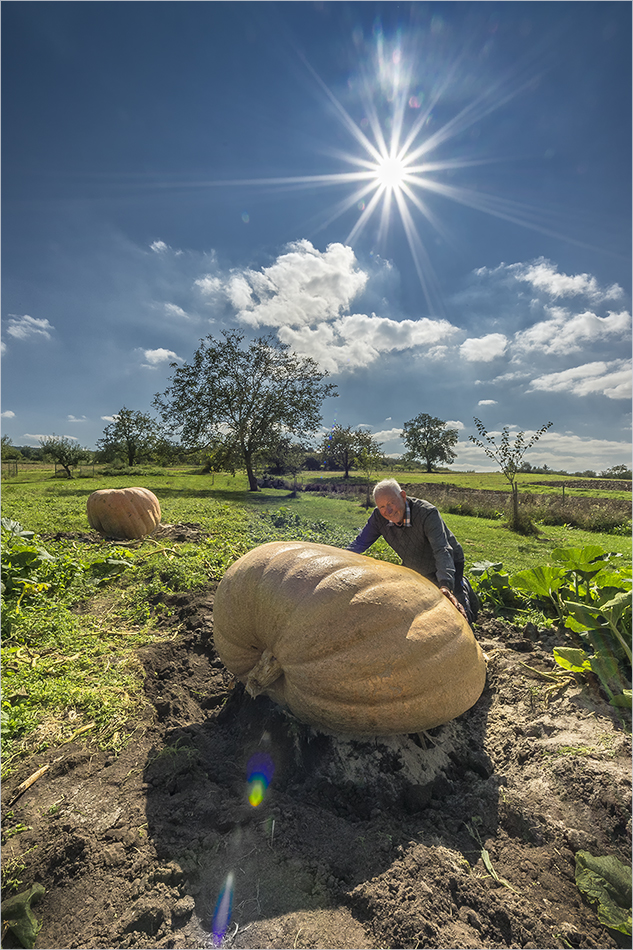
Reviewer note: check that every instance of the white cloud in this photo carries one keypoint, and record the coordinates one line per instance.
(303, 287)
(239, 293)
(109, 418)
(156, 357)
(24, 327)
(160, 247)
(487, 402)
(76, 419)
(611, 379)
(358, 340)
(208, 285)
(565, 332)
(543, 275)
(7, 414)
(504, 378)
(387, 435)
(39, 438)
(454, 424)
(565, 451)
(173, 310)
(484, 349)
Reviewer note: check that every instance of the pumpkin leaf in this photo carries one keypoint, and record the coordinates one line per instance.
(607, 882)
(572, 659)
(623, 700)
(17, 914)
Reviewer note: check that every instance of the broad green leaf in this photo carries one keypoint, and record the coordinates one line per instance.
(607, 881)
(581, 559)
(587, 615)
(572, 659)
(17, 914)
(16, 529)
(482, 566)
(608, 672)
(540, 581)
(623, 700)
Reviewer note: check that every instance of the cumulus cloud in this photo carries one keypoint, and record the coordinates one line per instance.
(611, 379)
(565, 332)
(77, 419)
(544, 277)
(484, 349)
(7, 414)
(209, 284)
(304, 286)
(23, 327)
(487, 402)
(156, 357)
(387, 435)
(358, 340)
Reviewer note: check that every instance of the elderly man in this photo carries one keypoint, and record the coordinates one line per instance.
(416, 532)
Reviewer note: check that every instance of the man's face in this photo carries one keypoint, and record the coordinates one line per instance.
(391, 506)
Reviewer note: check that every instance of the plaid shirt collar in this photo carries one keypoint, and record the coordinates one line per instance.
(406, 521)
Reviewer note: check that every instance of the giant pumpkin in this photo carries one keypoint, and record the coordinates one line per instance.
(347, 643)
(123, 513)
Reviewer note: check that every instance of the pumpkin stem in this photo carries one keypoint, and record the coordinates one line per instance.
(265, 672)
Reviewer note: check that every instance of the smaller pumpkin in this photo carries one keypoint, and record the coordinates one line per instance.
(123, 513)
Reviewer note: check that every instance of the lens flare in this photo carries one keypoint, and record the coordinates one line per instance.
(259, 773)
(222, 912)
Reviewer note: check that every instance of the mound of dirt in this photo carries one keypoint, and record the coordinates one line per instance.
(463, 837)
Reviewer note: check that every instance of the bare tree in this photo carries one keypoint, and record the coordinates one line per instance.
(508, 457)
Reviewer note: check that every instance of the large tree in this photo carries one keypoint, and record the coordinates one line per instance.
(132, 434)
(248, 396)
(430, 440)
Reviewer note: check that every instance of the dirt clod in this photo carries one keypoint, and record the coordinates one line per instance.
(355, 843)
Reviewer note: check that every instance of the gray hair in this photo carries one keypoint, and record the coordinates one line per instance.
(387, 486)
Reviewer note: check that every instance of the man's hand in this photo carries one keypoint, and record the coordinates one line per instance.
(454, 601)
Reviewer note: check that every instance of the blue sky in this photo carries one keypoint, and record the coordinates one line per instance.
(433, 200)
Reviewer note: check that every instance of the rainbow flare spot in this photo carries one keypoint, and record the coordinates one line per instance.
(259, 773)
(222, 912)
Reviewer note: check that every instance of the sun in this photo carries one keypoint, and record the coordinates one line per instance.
(401, 155)
(391, 173)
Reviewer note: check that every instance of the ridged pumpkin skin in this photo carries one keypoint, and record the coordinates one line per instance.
(123, 513)
(347, 643)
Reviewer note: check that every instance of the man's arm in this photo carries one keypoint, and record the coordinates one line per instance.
(442, 551)
(365, 538)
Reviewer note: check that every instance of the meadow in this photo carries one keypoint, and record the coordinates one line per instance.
(77, 607)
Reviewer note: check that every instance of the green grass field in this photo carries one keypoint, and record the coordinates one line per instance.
(46, 504)
(75, 612)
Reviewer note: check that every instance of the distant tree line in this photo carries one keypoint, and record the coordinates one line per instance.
(257, 408)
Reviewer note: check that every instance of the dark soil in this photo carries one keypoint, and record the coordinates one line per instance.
(356, 844)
